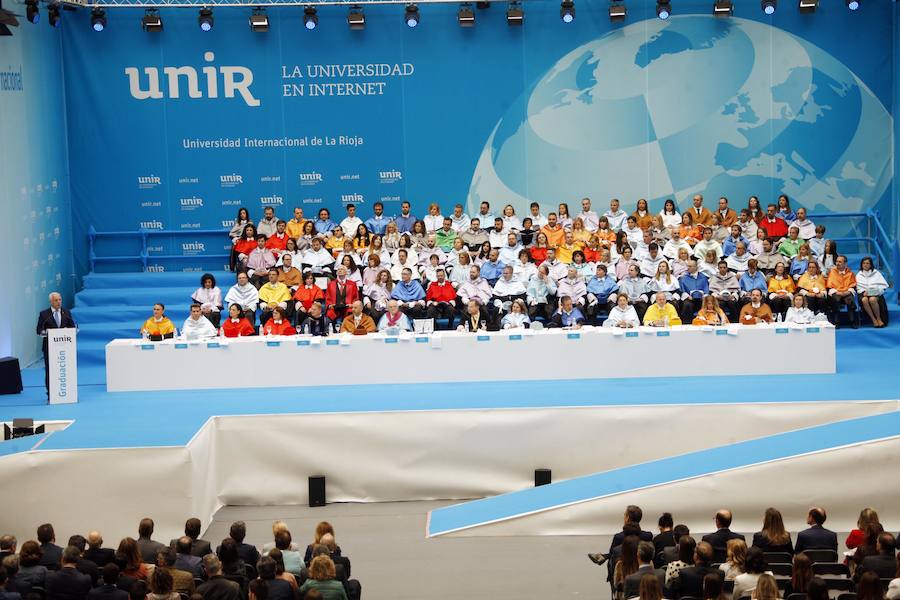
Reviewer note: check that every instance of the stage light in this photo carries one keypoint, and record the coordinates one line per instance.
(205, 19)
(808, 6)
(663, 9)
(411, 16)
(259, 21)
(853, 4)
(53, 17)
(567, 11)
(310, 19)
(98, 19)
(723, 8)
(617, 11)
(356, 19)
(32, 13)
(769, 6)
(515, 15)
(152, 21)
(466, 16)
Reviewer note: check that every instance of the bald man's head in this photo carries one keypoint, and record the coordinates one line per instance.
(723, 519)
(95, 539)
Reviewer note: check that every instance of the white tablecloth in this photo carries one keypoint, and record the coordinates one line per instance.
(588, 353)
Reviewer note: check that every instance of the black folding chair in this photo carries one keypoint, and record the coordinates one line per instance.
(778, 557)
(834, 569)
(821, 555)
(782, 569)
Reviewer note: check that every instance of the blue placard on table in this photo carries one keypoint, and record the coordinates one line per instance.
(631, 334)
(213, 345)
(573, 336)
(781, 330)
(272, 343)
(390, 340)
(422, 339)
(515, 337)
(662, 333)
(332, 342)
(812, 330)
(483, 338)
(180, 346)
(148, 347)
(303, 342)
(721, 332)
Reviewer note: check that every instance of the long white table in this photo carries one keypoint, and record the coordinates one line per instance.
(588, 353)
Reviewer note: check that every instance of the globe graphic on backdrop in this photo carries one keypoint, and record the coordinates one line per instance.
(695, 104)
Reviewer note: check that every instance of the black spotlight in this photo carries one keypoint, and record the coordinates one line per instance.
(769, 6)
(808, 6)
(723, 8)
(515, 14)
(617, 11)
(31, 11)
(411, 15)
(53, 17)
(663, 9)
(205, 19)
(356, 19)
(152, 21)
(466, 16)
(853, 4)
(259, 21)
(98, 19)
(567, 11)
(310, 19)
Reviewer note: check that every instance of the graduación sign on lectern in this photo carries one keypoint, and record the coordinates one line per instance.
(63, 359)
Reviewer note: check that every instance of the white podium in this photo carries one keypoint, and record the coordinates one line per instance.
(63, 365)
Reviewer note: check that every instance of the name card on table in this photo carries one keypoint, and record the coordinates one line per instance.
(631, 334)
(483, 338)
(272, 343)
(421, 339)
(390, 340)
(180, 346)
(303, 342)
(332, 342)
(148, 347)
(721, 331)
(812, 330)
(663, 333)
(515, 337)
(213, 345)
(781, 330)
(573, 336)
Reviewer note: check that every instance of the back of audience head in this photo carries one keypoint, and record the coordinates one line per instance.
(867, 517)
(258, 590)
(138, 590)
(328, 541)
(321, 568)
(649, 588)
(687, 546)
(166, 557)
(712, 587)
(629, 557)
(183, 545)
(633, 514)
(70, 555)
(736, 552)
(30, 554)
(869, 587)
(887, 544)
(645, 552)
(278, 526)
(320, 550)
(8, 543)
(228, 551)
(766, 588)
(212, 565)
(145, 528)
(110, 573)
(11, 564)
(680, 530)
(78, 541)
(276, 555)
(161, 581)
(817, 589)
(266, 568)
(723, 519)
(773, 527)
(321, 529)
(665, 521)
(756, 561)
(238, 531)
(129, 549)
(192, 528)
(45, 534)
(283, 540)
(816, 516)
(703, 553)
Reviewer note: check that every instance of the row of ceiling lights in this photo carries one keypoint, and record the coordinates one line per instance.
(356, 19)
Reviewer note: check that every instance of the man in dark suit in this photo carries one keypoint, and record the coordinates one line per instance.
(666, 536)
(645, 554)
(217, 587)
(108, 590)
(885, 562)
(96, 553)
(6, 594)
(278, 589)
(185, 560)
(248, 553)
(199, 548)
(14, 583)
(816, 537)
(149, 548)
(88, 567)
(7, 546)
(719, 539)
(54, 317)
(52, 553)
(68, 583)
(670, 553)
(633, 516)
(690, 579)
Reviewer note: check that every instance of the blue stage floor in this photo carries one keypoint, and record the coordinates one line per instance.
(867, 370)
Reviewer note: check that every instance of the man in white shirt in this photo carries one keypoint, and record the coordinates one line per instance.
(707, 244)
(404, 262)
(459, 220)
(737, 261)
(615, 216)
(196, 326)
(268, 225)
(748, 225)
(506, 290)
(650, 263)
(807, 228)
(557, 269)
(670, 250)
(476, 288)
(509, 253)
(642, 248)
(590, 219)
(485, 216)
(351, 222)
(245, 295)
(318, 259)
(497, 235)
(537, 219)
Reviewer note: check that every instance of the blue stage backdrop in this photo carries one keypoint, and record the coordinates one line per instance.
(177, 130)
(35, 221)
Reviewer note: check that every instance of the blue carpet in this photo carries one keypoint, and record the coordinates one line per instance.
(658, 472)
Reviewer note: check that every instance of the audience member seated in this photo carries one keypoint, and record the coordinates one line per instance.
(720, 537)
(161, 585)
(622, 314)
(842, 291)
(773, 537)
(752, 279)
(661, 313)
(133, 562)
(517, 317)
(567, 316)
(280, 573)
(236, 325)
(735, 558)
(884, 563)
(279, 324)
(710, 313)
(322, 579)
(507, 290)
(357, 322)
(645, 554)
(870, 287)
(754, 567)
(146, 545)
(276, 589)
(271, 295)
(317, 259)
(293, 561)
(245, 295)
(68, 583)
(217, 586)
(781, 290)
(185, 560)
(756, 311)
(84, 565)
(259, 261)
(182, 581)
(199, 547)
(812, 286)
(473, 320)
(108, 590)
(690, 579)
(394, 320)
(869, 587)
(801, 575)
(409, 295)
(196, 326)
(209, 297)
(713, 587)
(681, 558)
(816, 537)
(232, 565)
(156, 328)
(440, 298)
(316, 323)
(95, 552)
(766, 588)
